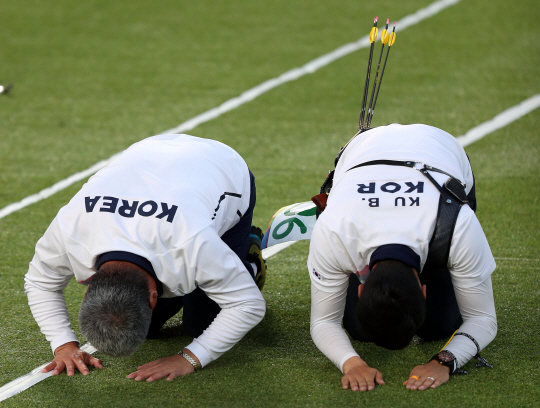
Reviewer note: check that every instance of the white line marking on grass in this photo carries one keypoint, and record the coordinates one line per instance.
(55, 188)
(234, 103)
(32, 378)
(500, 121)
(274, 249)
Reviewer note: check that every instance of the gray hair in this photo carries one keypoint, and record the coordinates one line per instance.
(115, 313)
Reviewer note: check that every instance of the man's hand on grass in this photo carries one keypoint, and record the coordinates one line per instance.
(426, 376)
(69, 356)
(170, 367)
(359, 376)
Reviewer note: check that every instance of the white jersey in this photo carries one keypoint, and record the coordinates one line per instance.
(167, 199)
(378, 205)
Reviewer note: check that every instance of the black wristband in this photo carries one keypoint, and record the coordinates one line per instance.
(482, 362)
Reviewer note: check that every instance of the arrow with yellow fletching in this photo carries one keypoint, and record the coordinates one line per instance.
(390, 41)
(384, 40)
(372, 38)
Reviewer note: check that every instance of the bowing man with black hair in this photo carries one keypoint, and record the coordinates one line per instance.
(397, 252)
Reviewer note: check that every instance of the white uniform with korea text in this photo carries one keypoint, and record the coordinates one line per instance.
(166, 209)
(396, 205)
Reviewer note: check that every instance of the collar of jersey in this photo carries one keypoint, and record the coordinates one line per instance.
(134, 259)
(398, 252)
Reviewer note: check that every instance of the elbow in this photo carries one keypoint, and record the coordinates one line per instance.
(494, 327)
(28, 285)
(261, 310)
(257, 310)
(314, 329)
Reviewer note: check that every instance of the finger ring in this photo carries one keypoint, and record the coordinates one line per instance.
(431, 378)
(414, 376)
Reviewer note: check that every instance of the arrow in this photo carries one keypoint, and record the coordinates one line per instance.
(384, 40)
(391, 41)
(372, 38)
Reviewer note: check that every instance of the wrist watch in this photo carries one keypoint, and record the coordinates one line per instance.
(446, 358)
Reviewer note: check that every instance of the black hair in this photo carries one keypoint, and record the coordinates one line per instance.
(392, 307)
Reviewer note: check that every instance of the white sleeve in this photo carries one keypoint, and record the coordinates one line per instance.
(479, 321)
(470, 260)
(225, 279)
(471, 265)
(326, 331)
(48, 274)
(328, 295)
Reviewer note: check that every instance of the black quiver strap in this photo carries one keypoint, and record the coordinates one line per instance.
(447, 213)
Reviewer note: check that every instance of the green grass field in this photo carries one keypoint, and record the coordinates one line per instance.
(90, 78)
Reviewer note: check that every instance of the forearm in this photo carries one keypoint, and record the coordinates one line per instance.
(326, 331)
(48, 274)
(463, 348)
(50, 312)
(334, 343)
(228, 328)
(480, 322)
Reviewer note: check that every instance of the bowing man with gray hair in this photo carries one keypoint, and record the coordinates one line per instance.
(165, 226)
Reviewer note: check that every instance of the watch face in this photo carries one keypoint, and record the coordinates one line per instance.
(446, 357)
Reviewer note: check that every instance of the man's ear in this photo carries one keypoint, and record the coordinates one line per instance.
(360, 288)
(153, 298)
(424, 291)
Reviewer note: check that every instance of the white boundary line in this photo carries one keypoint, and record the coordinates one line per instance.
(33, 377)
(234, 103)
(274, 249)
(500, 121)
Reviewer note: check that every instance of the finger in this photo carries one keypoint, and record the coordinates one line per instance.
(158, 375)
(49, 367)
(173, 375)
(59, 367)
(70, 368)
(95, 362)
(354, 384)
(363, 384)
(427, 383)
(142, 376)
(345, 382)
(379, 378)
(370, 383)
(81, 366)
(423, 385)
(436, 383)
(133, 375)
(411, 382)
